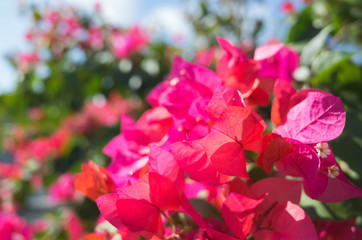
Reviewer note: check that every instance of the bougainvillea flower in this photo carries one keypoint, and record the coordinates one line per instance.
(284, 221)
(262, 211)
(280, 221)
(323, 179)
(277, 61)
(283, 91)
(138, 206)
(324, 121)
(236, 69)
(255, 78)
(322, 176)
(93, 181)
(220, 153)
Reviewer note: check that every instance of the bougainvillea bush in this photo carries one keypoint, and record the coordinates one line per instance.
(199, 144)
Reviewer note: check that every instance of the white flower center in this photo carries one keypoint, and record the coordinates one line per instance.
(174, 81)
(322, 149)
(333, 171)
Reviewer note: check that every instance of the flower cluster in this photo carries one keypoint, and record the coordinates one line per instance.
(198, 144)
(57, 32)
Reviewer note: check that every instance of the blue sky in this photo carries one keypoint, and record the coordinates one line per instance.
(166, 15)
(12, 27)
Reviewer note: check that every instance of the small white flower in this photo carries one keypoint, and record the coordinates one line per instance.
(322, 149)
(174, 81)
(333, 171)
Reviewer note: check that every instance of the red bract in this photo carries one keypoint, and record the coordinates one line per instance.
(220, 153)
(240, 208)
(255, 78)
(283, 91)
(236, 69)
(221, 99)
(152, 127)
(285, 221)
(274, 149)
(235, 130)
(93, 181)
(287, 190)
(139, 206)
(275, 216)
(163, 163)
(192, 158)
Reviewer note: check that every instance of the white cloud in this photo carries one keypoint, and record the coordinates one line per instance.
(168, 21)
(119, 12)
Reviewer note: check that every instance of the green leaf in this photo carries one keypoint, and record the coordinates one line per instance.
(303, 28)
(325, 64)
(314, 46)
